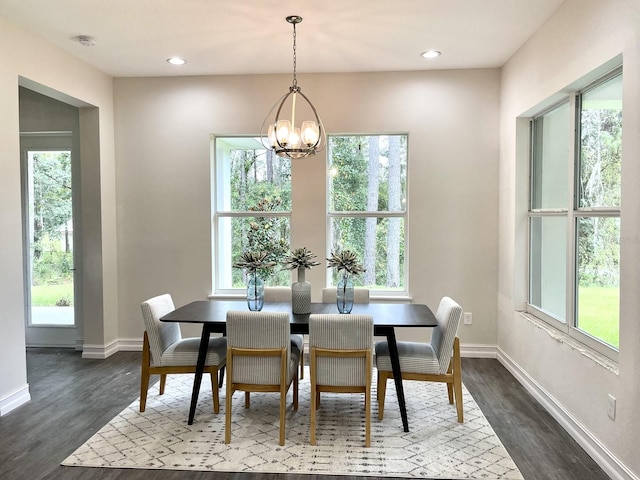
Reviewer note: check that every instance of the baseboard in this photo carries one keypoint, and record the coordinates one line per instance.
(99, 352)
(130, 345)
(594, 448)
(478, 351)
(14, 400)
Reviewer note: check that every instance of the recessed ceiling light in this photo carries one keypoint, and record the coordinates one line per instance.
(176, 61)
(431, 54)
(85, 40)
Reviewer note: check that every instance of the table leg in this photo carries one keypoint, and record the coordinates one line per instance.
(202, 357)
(397, 376)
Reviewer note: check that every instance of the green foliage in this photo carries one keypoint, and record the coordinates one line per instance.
(52, 266)
(260, 183)
(600, 179)
(368, 175)
(50, 295)
(51, 213)
(598, 311)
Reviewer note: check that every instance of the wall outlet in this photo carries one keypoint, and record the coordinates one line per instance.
(611, 407)
(468, 318)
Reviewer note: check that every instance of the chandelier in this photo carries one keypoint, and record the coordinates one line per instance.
(283, 135)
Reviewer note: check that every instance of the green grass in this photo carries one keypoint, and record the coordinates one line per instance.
(599, 313)
(48, 295)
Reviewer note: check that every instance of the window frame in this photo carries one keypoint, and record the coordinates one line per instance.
(217, 214)
(573, 213)
(395, 294)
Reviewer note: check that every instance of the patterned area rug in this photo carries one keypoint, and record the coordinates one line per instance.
(437, 446)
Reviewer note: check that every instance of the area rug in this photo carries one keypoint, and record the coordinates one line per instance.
(437, 446)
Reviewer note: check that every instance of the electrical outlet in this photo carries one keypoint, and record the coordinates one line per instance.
(468, 318)
(611, 407)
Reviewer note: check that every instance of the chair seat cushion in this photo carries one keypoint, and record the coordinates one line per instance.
(185, 352)
(414, 357)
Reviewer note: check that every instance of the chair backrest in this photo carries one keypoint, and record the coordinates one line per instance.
(448, 316)
(341, 332)
(258, 330)
(277, 294)
(360, 295)
(161, 334)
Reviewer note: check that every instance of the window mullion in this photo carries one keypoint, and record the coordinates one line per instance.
(572, 201)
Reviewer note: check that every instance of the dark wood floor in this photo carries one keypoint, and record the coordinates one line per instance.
(72, 398)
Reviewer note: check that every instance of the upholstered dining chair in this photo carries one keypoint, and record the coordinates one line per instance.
(436, 361)
(360, 295)
(283, 294)
(260, 358)
(340, 351)
(164, 351)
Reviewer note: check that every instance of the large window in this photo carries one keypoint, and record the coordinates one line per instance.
(574, 216)
(251, 208)
(367, 208)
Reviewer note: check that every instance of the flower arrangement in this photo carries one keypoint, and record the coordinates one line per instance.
(255, 262)
(300, 258)
(347, 261)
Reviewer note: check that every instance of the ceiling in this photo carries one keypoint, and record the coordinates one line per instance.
(221, 37)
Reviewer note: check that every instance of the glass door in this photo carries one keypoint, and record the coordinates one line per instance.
(48, 232)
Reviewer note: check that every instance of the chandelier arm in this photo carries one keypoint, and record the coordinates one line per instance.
(318, 121)
(278, 103)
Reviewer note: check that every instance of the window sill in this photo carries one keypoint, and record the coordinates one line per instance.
(572, 343)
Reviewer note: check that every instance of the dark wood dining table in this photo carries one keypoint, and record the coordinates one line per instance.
(387, 317)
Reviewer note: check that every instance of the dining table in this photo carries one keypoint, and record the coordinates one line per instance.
(387, 317)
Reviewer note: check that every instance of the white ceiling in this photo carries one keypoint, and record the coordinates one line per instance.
(217, 37)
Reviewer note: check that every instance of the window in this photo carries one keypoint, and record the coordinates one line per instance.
(574, 214)
(367, 207)
(252, 208)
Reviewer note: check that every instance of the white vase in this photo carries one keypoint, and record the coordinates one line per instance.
(301, 294)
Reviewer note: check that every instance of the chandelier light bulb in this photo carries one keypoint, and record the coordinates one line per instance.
(309, 133)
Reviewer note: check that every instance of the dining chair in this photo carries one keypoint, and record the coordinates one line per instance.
(164, 351)
(260, 359)
(340, 349)
(436, 361)
(360, 295)
(283, 294)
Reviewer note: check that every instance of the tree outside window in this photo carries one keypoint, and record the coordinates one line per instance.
(252, 208)
(367, 205)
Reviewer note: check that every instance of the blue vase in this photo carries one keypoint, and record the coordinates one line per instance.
(255, 293)
(344, 294)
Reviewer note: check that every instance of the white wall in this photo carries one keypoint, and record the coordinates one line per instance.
(29, 60)
(163, 175)
(578, 39)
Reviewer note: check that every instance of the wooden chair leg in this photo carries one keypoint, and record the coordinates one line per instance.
(314, 398)
(247, 399)
(295, 393)
(367, 403)
(457, 378)
(450, 385)
(302, 362)
(144, 374)
(283, 416)
(382, 390)
(163, 382)
(228, 401)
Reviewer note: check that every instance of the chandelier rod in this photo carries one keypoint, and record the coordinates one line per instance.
(294, 20)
